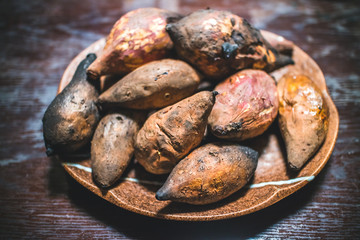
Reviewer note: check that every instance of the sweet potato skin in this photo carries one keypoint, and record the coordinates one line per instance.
(303, 118)
(70, 120)
(137, 37)
(218, 43)
(154, 85)
(245, 107)
(112, 146)
(172, 132)
(210, 173)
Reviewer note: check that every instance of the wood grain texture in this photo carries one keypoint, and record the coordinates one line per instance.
(39, 200)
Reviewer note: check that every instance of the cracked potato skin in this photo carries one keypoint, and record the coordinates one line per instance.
(245, 107)
(303, 118)
(112, 146)
(210, 173)
(219, 43)
(137, 37)
(172, 132)
(70, 120)
(154, 85)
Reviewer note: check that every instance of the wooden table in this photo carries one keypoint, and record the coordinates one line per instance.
(38, 199)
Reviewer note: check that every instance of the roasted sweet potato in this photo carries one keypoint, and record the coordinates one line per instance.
(137, 37)
(220, 43)
(154, 85)
(246, 105)
(210, 173)
(282, 45)
(70, 120)
(303, 118)
(172, 132)
(112, 146)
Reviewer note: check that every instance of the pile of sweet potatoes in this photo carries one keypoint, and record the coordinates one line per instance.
(158, 112)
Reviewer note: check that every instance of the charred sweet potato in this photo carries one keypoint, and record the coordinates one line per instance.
(219, 43)
(282, 45)
(112, 146)
(154, 85)
(70, 120)
(303, 118)
(136, 38)
(246, 105)
(210, 173)
(172, 132)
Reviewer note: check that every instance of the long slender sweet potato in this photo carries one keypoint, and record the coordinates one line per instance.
(172, 132)
(210, 173)
(246, 105)
(219, 43)
(70, 120)
(154, 85)
(112, 147)
(303, 118)
(137, 37)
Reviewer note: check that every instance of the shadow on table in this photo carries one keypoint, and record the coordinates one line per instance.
(137, 226)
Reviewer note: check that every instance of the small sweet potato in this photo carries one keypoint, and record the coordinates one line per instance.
(70, 120)
(137, 37)
(246, 105)
(112, 147)
(154, 85)
(303, 118)
(219, 43)
(210, 173)
(172, 132)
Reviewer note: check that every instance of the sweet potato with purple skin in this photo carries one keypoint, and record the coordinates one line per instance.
(136, 38)
(172, 132)
(219, 43)
(112, 147)
(70, 120)
(210, 173)
(303, 118)
(246, 105)
(154, 85)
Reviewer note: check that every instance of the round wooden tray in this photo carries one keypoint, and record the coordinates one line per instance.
(272, 180)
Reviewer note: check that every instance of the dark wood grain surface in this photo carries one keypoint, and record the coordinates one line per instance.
(38, 199)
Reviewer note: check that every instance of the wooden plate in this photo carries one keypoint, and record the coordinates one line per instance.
(272, 180)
